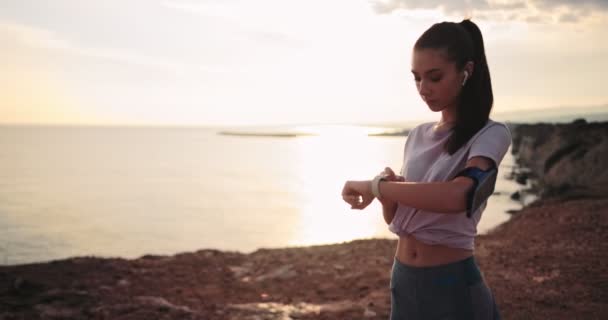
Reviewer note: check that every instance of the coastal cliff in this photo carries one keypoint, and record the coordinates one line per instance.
(549, 261)
(564, 160)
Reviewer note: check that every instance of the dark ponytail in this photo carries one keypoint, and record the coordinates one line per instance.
(463, 42)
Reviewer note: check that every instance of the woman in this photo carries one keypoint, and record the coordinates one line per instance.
(434, 274)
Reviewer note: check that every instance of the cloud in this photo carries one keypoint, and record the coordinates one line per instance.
(572, 4)
(33, 37)
(568, 17)
(40, 38)
(240, 15)
(387, 6)
(534, 11)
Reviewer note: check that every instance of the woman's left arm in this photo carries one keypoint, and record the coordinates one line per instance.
(445, 197)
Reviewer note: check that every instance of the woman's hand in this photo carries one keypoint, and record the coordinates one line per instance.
(358, 194)
(390, 175)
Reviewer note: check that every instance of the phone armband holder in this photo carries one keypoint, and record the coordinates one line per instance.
(484, 183)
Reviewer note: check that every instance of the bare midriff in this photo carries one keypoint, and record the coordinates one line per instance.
(412, 252)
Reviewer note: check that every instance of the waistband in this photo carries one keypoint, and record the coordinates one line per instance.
(466, 268)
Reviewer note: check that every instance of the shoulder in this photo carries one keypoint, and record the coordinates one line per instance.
(499, 124)
(492, 142)
(421, 128)
(496, 129)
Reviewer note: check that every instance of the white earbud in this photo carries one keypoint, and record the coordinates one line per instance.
(466, 76)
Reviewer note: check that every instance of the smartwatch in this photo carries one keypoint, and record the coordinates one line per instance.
(375, 183)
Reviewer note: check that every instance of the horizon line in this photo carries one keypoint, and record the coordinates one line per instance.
(599, 108)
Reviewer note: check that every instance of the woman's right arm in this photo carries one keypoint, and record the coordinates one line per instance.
(388, 211)
(390, 207)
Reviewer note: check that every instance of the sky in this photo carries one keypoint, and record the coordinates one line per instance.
(264, 62)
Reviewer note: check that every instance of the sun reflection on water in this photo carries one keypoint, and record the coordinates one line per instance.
(324, 163)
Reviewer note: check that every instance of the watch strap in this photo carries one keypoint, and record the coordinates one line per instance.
(375, 185)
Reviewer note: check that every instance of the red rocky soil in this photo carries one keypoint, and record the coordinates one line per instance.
(550, 261)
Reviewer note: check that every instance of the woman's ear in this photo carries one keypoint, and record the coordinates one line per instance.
(468, 71)
(469, 67)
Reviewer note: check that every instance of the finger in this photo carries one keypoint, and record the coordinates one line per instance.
(352, 200)
(360, 205)
(389, 171)
(344, 191)
(349, 193)
(349, 199)
(346, 200)
(389, 174)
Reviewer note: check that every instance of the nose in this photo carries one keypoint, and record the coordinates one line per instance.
(423, 89)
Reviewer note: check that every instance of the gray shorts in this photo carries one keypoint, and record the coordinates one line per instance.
(446, 292)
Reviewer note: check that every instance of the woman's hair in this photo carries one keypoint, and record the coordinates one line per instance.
(462, 42)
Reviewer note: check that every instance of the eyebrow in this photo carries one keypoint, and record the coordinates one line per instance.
(429, 71)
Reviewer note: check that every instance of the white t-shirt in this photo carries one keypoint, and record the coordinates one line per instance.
(425, 160)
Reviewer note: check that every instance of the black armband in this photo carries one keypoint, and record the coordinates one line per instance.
(483, 187)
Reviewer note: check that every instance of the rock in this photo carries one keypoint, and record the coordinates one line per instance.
(152, 257)
(273, 310)
(579, 122)
(338, 266)
(521, 178)
(161, 302)
(565, 158)
(105, 288)
(368, 313)
(239, 271)
(18, 283)
(515, 196)
(284, 272)
(123, 283)
(53, 312)
(25, 286)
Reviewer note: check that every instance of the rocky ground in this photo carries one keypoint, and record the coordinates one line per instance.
(550, 261)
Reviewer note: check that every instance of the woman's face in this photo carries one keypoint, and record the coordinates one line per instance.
(438, 81)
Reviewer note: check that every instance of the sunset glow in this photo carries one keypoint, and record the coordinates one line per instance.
(278, 62)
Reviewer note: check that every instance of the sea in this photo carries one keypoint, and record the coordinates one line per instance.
(125, 192)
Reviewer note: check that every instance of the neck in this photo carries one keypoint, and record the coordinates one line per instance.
(447, 116)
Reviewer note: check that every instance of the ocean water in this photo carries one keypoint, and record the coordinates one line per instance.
(127, 192)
